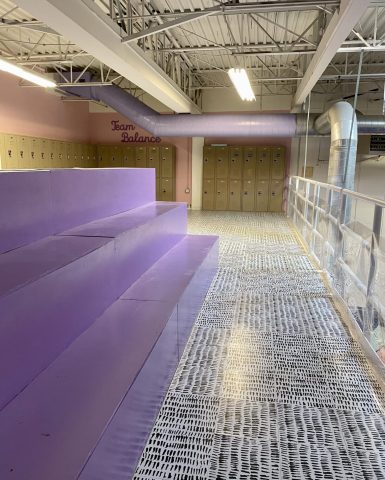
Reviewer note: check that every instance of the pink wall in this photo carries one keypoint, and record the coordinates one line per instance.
(34, 112)
(101, 132)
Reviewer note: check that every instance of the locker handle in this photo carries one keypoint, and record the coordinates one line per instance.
(244, 193)
(259, 193)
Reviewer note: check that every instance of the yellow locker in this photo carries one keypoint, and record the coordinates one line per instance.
(116, 156)
(167, 189)
(24, 152)
(167, 162)
(208, 162)
(104, 156)
(76, 154)
(263, 163)
(91, 161)
(128, 157)
(44, 161)
(236, 161)
(51, 161)
(35, 152)
(277, 163)
(93, 156)
(70, 151)
(221, 197)
(55, 154)
(11, 151)
(208, 197)
(141, 157)
(158, 191)
(154, 159)
(235, 187)
(248, 195)
(262, 196)
(62, 154)
(276, 196)
(221, 162)
(249, 163)
(3, 161)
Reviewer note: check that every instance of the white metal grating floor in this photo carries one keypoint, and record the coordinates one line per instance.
(270, 386)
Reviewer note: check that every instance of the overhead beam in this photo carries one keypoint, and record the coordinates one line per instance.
(168, 25)
(84, 23)
(341, 24)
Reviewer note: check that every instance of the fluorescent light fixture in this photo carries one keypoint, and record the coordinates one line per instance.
(241, 82)
(25, 74)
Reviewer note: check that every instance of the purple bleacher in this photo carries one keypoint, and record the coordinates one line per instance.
(83, 195)
(107, 386)
(25, 208)
(72, 351)
(141, 236)
(81, 273)
(37, 203)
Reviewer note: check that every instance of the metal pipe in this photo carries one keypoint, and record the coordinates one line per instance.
(341, 121)
(217, 125)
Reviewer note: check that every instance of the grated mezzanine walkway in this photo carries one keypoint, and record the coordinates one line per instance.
(270, 385)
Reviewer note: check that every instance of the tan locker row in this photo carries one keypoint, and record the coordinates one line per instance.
(238, 163)
(242, 195)
(162, 158)
(21, 152)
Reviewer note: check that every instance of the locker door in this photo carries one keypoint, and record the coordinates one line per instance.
(249, 163)
(52, 154)
(128, 157)
(24, 147)
(44, 153)
(12, 155)
(103, 156)
(3, 157)
(167, 190)
(93, 158)
(158, 191)
(35, 153)
(262, 196)
(276, 196)
(141, 157)
(167, 162)
(153, 160)
(221, 162)
(208, 162)
(116, 156)
(62, 154)
(277, 163)
(248, 196)
(263, 163)
(235, 195)
(208, 198)
(222, 194)
(71, 155)
(236, 161)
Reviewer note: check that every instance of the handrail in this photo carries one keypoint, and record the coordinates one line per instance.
(352, 193)
(358, 283)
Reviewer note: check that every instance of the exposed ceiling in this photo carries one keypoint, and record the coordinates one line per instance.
(190, 44)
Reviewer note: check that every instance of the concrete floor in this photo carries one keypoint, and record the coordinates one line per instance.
(270, 386)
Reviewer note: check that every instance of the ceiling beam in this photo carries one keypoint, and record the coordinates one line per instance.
(84, 23)
(341, 24)
(168, 25)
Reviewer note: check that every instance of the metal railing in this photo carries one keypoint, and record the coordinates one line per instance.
(345, 233)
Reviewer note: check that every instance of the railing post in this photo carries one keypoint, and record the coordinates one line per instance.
(315, 215)
(338, 241)
(376, 233)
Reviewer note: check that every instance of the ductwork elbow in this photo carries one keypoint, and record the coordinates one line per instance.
(341, 122)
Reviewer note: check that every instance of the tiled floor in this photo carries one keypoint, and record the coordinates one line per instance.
(269, 386)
